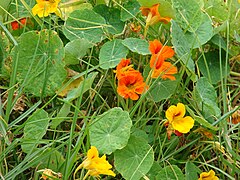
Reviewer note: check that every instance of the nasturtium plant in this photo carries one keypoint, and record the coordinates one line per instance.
(40, 56)
(111, 130)
(170, 172)
(139, 46)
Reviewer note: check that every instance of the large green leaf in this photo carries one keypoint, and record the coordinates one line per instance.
(34, 129)
(188, 14)
(85, 24)
(206, 98)
(40, 62)
(213, 68)
(110, 131)
(139, 46)
(75, 50)
(112, 17)
(134, 160)
(111, 54)
(170, 173)
(202, 34)
(162, 89)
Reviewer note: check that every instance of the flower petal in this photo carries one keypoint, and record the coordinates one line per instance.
(183, 125)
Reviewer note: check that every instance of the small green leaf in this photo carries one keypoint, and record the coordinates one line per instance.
(152, 173)
(134, 160)
(112, 17)
(85, 24)
(147, 3)
(139, 46)
(162, 89)
(131, 8)
(40, 56)
(111, 130)
(111, 54)
(35, 128)
(170, 172)
(75, 50)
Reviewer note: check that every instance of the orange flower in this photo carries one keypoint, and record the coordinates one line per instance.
(236, 117)
(123, 67)
(165, 71)
(153, 15)
(131, 85)
(15, 25)
(159, 53)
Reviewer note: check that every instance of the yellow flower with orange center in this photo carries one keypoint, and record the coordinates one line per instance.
(177, 121)
(45, 7)
(95, 165)
(208, 176)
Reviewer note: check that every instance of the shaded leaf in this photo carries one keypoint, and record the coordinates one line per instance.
(131, 10)
(111, 130)
(112, 17)
(191, 171)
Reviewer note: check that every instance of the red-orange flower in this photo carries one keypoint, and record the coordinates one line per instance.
(157, 62)
(159, 53)
(131, 85)
(15, 25)
(153, 15)
(166, 71)
(123, 67)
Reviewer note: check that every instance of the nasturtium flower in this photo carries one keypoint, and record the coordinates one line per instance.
(95, 165)
(15, 25)
(159, 53)
(45, 7)
(165, 71)
(176, 120)
(131, 85)
(123, 67)
(236, 117)
(208, 176)
(153, 15)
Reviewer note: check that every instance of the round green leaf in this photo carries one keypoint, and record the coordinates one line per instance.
(135, 160)
(40, 62)
(170, 172)
(85, 24)
(147, 3)
(111, 54)
(139, 46)
(110, 131)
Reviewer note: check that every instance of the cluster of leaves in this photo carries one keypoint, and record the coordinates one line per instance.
(62, 70)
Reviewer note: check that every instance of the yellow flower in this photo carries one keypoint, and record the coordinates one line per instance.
(95, 165)
(177, 121)
(208, 176)
(44, 7)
